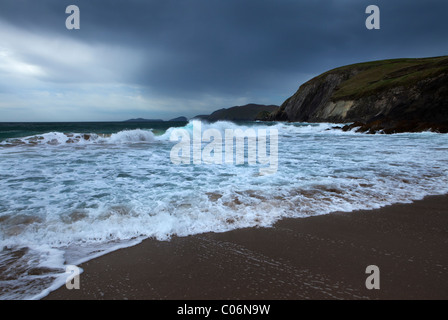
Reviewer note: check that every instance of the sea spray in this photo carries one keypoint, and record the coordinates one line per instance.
(234, 152)
(65, 203)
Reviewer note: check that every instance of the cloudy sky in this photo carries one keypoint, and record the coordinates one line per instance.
(167, 58)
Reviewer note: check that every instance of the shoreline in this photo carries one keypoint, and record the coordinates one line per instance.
(320, 257)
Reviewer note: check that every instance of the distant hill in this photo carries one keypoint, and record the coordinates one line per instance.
(144, 120)
(249, 112)
(179, 119)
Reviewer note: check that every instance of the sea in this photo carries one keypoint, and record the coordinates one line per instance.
(70, 192)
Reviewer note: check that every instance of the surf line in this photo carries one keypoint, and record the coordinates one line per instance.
(190, 150)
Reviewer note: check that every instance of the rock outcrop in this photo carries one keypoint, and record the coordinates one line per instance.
(401, 95)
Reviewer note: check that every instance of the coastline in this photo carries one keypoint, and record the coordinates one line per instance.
(320, 257)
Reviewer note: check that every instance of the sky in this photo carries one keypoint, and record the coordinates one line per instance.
(170, 58)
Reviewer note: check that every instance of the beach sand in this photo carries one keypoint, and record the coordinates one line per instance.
(322, 257)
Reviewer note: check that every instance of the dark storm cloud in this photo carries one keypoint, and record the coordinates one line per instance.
(236, 48)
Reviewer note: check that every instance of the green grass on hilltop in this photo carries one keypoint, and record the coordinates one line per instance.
(382, 75)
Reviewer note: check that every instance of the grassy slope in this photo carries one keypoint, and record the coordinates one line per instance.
(382, 75)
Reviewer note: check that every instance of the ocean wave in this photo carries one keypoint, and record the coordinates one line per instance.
(149, 136)
(78, 203)
(60, 138)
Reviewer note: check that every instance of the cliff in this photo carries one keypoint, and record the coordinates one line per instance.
(391, 96)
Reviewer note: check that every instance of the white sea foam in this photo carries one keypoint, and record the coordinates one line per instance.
(60, 138)
(66, 202)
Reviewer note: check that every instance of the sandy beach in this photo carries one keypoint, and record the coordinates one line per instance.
(321, 257)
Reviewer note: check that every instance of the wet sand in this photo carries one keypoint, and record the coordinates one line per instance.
(322, 257)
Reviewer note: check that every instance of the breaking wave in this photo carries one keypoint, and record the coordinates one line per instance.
(66, 205)
(60, 138)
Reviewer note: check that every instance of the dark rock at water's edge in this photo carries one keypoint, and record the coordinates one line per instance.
(249, 112)
(179, 119)
(144, 120)
(389, 96)
(390, 126)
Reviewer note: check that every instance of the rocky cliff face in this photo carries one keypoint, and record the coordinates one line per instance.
(392, 96)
